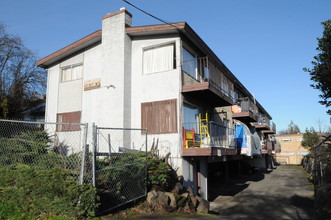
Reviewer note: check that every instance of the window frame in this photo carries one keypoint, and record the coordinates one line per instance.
(173, 44)
(71, 67)
(195, 57)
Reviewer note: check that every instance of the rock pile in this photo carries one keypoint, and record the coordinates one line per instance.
(179, 199)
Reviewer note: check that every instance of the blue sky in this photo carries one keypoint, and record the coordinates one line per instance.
(265, 43)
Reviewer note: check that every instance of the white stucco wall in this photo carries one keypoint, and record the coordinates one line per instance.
(53, 78)
(157, 87)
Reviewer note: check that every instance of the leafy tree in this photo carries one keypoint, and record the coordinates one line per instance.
(291, 129)
(310, 138)
(21, 81)
(321, 72)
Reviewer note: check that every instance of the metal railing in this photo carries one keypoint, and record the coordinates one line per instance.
(263, 119)
(219, 135)
(247, 105)
(202, 70)
(273, 127)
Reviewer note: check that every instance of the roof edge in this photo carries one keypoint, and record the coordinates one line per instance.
(41, 62)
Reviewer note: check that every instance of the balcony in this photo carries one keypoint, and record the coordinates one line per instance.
(246, 111)
(218, 141)
(272, 129)
(267, 147)
(263, 123)
(203, 81)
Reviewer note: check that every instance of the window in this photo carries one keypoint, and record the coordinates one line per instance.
(159, 59)
(191, 117)
(68, 117)
(189, 64)
(286, 140)
(159, 117)
(72, 73)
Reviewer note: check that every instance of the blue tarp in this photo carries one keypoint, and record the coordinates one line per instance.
(240, 136)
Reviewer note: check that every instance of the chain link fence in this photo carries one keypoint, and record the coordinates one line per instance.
(44, 146)
(113, 160)
(318, 165)
(120, 157)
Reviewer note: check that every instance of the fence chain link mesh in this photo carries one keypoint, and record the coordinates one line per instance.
(112, 159)
(121, 169)
(44, 146)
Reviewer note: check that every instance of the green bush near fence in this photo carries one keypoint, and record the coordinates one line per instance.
(160, 174)
(26, 192)
(36, 181)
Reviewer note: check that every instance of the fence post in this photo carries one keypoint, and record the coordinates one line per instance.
(81, 176)
(94, 151)
(146, 163)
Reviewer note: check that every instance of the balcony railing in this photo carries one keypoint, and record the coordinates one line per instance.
(218, 136)
(273, 127)
(264, 120)
(248, 106)
(201, 70)
(221, 136)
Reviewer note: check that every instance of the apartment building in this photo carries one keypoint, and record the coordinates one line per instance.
(164, 78)
(292, 150)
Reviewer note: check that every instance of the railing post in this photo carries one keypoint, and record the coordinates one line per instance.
(81, 176)
(94, 149)
(211, 134)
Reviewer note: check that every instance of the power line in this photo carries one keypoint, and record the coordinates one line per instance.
(149, 14)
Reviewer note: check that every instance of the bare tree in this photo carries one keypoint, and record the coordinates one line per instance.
(21, 81)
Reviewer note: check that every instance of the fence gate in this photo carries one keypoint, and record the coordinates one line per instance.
(119, 165)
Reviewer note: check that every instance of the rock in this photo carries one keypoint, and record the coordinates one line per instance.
(194, 200)
(178, 187)
(157, 198)
(172, 198)
(151, 196)
(162, 199)
(181, 201)
(185, 195)
(203, 206)
(190, 190)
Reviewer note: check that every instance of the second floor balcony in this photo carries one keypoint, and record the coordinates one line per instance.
(263, 123)
(272, 129)
(245, 111)
(202, 80)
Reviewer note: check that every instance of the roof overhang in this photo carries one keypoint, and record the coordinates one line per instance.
(69, 50)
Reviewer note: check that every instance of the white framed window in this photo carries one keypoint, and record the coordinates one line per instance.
(159, 59)
(286, 140)
(72, 72)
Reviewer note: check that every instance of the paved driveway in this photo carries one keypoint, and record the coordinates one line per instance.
(285, 193)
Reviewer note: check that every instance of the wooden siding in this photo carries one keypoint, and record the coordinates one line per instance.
(68, 117)
(159, 117)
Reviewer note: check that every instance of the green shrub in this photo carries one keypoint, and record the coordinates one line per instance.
(160, 174)
(26, 192)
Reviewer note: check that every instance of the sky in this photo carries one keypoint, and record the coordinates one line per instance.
(266, 44)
